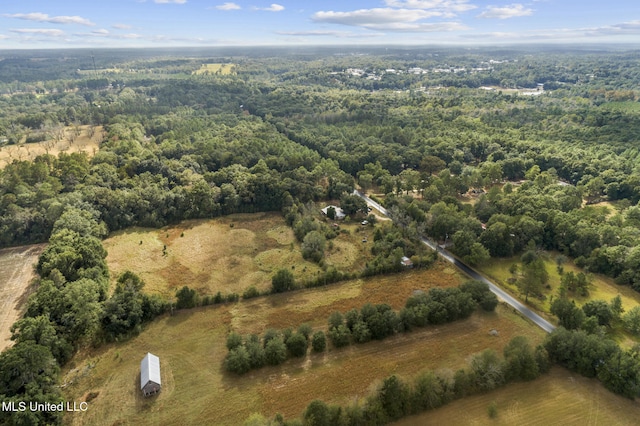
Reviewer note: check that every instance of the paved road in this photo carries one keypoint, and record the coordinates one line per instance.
(512, 301)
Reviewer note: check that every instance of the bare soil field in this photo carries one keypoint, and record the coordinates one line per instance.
(191, 347)
(87, 140)
(227, 254)
(16, 273)
(559, 397)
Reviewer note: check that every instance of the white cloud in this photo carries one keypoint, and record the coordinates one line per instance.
(562, 34)
(388, 19)
(44, 31)
(321, 33)
(43, 17)
(170, 1)
(370, 17)
(506, 12)
(273, 8)
(448, 7)
(228, 6)
(121, 26)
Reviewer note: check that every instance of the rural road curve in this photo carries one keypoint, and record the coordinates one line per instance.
(512, 301)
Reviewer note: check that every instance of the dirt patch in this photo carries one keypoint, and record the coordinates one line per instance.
(17, 272)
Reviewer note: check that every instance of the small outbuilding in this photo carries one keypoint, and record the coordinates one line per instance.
(339, 213)
(406, 262)
(150, 375)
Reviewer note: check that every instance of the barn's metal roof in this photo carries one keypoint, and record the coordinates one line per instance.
(149, 370)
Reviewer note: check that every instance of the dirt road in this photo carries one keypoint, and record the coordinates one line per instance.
(16, 272)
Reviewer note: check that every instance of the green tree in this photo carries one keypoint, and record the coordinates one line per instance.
(237, 360)
(313, 246)
(233, 340)
(297, 345)
(569, 315)
(520, 362)
(534, 277)
(598, 309)
(186, 298)
(631, 320)
(275, 351)
(318, 341)
(317, 414)
(282, 281)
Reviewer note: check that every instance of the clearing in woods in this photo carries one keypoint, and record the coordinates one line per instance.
(216, 69)
(83, 139)
(16, 272)
(227, 254)
(559, 397)
(191, 347)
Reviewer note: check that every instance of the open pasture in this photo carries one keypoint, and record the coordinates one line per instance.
(83, 139)
(227, 254)
(191, 347)
(559, 397)
(216, 69)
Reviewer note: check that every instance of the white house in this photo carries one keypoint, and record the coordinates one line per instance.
(150, 375)
(339, 212)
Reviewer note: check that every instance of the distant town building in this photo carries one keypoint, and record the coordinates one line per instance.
(150, 375)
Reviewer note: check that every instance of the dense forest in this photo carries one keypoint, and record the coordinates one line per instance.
(536, 138)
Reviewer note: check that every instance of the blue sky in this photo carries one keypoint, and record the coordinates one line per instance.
(159, 23)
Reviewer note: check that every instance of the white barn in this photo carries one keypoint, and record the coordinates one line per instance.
(150, 375)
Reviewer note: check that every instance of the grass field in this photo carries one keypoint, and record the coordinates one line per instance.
(191, 347)
(601, 288)
(87, 141)
(219, 69)
(16, 273)
(559, 397)
(228, 254)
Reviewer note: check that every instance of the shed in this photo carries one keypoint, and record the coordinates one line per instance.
(406, 262)
(150, 375)
(339, 212)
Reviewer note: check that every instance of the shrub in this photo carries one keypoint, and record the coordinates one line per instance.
(297, 345)
(250, 293)
(275, 351)
(319, 341)
(237, 360)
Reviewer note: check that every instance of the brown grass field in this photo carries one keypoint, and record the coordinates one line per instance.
(557, 398)
(16, 273)
(84, 142)
(191, 347)
(227, 254)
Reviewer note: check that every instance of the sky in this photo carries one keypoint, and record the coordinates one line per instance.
(37, 24)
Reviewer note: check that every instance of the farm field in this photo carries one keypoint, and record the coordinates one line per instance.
(191, 347)
(213, 69)
(558, 397)
(16, 272)
(88, 140)
(227, 254)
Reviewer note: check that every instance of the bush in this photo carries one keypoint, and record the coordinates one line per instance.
(319, 341)
(250, 293)
(237, 360)
(297, 345)
(282, 281)
(339, 336)
(305, 329)
(275, 351)
(187, 298)
(233, 340)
